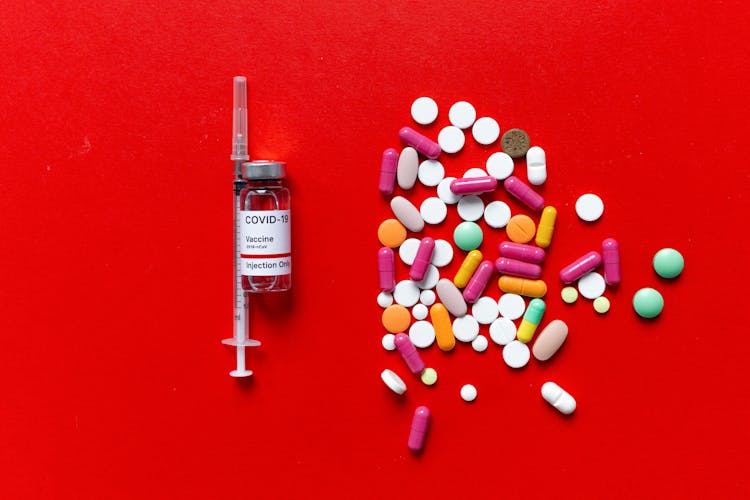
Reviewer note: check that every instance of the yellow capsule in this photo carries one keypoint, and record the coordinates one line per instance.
(522, 286)
(441, 321)
(546, 227)
(468, 266)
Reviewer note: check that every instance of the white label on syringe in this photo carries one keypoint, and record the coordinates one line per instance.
(265, 242)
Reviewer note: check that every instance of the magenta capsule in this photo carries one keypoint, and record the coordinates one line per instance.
(474, 185)
(519, 251)
(422, 144)
(520, 268)
(388, 167)
(580, 266)
(407, 350)
(524, 193)
(422, 260)
(386, 269)
(419, 425)
(611, 259)
(478, 282)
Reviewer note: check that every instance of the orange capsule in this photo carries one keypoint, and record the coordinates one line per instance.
(441, 321)
(522, 286)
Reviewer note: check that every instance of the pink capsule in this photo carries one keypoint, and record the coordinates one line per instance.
(524, 193)
(474, 185)
(514, 267)
(611, 258)
(580, 266)
(519, 251)
(388, 167)
(422, 260)
(478, 282)
(386, 269)
(419, 425)
(407, 350)
(422, 144)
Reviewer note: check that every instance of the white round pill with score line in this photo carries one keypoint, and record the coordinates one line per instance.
(497, 214)
(442, 255)
(465, 328)
(503, 331)
(424, 110)
(511, 306)
(471, 208)
(451, 139)
(485, 310)
(516, 354)
(462, 115)
(485, 130)
(500, 166)
(444, 191)
(430, 173)
(433, 210)
(422, 334)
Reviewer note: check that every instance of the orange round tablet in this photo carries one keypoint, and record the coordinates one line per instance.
(396, 318)
(392, 233)
(520, 229)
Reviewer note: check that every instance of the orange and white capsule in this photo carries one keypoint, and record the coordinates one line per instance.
(546, 227)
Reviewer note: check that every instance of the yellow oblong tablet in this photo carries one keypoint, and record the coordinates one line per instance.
(546, 227)
(468, 266)
(522, 286)
(441, 321)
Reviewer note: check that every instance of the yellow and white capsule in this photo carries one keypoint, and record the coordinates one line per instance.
(546, 227)
(468, 266)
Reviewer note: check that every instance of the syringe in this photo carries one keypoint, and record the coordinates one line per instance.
(241, 338)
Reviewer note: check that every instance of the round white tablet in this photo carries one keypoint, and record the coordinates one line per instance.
(462, 114)
(468, 393)
(485, 130)
(393, 381)
(427, 297)
(592, 285)
(485, 310)
(497, 214)
(433, 210)
(589, 207)
(408, 251)
(444, 191)
(424, 110)
(474, 172)
(388, 342)
(465, 328)
(500, 166)
(419, 311)
(511, 306)
(451, 139)
(385, 299)
(406, 293)
(480, 343)
(430, 172)
(442, 255)
(430, 279)
(422, 334)
(516, 354)
(471, 208)
(502, 331)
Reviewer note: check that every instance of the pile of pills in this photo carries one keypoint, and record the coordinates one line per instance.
(447, 309)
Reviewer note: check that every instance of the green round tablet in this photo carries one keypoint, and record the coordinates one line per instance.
(601, 305)
(668, 263)
(429, 376)
(468, 236)
(569, 294)
(648, 303)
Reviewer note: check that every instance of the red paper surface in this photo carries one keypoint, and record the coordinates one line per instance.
(115, 255)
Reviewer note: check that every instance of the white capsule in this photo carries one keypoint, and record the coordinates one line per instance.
(557, 397)
(536, 165)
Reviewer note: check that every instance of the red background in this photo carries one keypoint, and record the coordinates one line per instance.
(115, 254)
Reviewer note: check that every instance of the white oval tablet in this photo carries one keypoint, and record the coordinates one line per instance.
(497, 214)
(393, 381)
(389, 342)
(471, 208)
(407, 214)
(589, 207)
(485, 130)
(408, 166)
(451, 139)
(480, 343)
(442, 255)
(465, 328)
(407, 252)
(500, 166)
(422, 334)
(444, 191)
(468, 393)
(385, 299)
(406, 293)
(419, 311)
(424, 110)
(430, 279)
(430, 172)
(462, 115)
(559, 398)
(502, 331)
(474, 172)
(485, 310)
(516, 354)
(511, 306)
(433, 210)
(592, 285)
(427, 297)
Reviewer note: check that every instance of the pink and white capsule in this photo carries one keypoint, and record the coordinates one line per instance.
(420, 423)
(407, 351)
(478, 282)
(523, 193)
(422, 260)
(388, 167)
(514, 267)
(520, 251)
(611, 259)
(386, 269)
(474, 185)
(422, 144)
(582, 265)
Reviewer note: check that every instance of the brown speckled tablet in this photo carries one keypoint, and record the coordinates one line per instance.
(515, 142)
